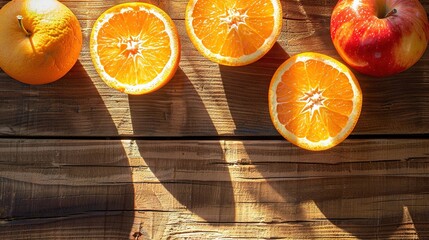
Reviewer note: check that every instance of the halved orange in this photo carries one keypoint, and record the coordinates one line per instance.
(314, 101)
(135, 47)
(233, 32)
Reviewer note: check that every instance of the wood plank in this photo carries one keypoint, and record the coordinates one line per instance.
(203, 99)
(54, 189)
(61, 190)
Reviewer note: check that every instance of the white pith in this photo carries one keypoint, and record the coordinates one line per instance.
(233, 18)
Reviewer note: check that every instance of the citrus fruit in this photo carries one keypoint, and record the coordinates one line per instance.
(39, 42)
(234, 32)
(135, 47)
(314, 101)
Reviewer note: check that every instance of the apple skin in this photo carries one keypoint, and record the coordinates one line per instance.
(375, 44)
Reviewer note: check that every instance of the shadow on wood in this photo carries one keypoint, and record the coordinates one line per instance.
(246, 89)
(57, 188)
(393, 113)
(366, 207)
(378, 199)
(208, 198)
(73, 100)
(69, 188)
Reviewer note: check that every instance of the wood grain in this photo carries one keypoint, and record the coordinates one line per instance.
(79, 160)
(55, 189)
(203, 99)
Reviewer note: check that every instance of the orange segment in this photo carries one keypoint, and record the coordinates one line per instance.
(135, 47)
(314, 101)
(233, 32)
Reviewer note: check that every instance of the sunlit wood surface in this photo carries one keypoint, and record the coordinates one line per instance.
(200, 159)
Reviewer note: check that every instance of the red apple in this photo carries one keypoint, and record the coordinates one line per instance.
(380, 37)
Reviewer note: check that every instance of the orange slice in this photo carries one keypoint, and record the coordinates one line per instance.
(314, 101)
(234, 32)
(135, 47)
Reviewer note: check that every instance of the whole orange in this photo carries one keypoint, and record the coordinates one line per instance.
(40, 41)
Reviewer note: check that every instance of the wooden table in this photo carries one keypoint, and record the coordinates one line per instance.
(200, 159)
